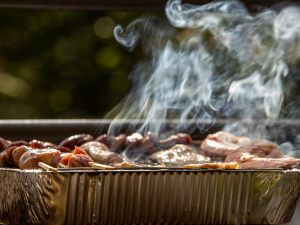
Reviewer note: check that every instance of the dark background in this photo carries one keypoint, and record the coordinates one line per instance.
(62, 64)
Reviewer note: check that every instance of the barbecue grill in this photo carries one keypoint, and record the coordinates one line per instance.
(88, 196)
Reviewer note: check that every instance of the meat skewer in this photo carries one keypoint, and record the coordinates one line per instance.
(135, 150)
(31, 158)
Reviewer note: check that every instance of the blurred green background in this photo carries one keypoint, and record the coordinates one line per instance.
(62, 64)
(67, 64)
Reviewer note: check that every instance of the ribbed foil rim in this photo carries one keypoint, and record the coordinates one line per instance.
(148, 196)
(148, 169)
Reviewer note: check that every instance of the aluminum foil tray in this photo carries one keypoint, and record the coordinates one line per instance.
(148, 196)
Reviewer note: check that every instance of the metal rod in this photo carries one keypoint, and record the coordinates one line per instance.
(110, 4)
(57, 130)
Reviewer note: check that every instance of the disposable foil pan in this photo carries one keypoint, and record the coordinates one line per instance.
(161, 196)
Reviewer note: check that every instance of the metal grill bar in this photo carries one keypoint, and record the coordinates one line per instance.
(56, 130)
(110, 4)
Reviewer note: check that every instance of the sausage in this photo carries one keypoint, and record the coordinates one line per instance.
(75, 140)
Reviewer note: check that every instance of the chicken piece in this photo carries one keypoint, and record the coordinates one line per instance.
(221, 144)
(178, 155)
(31, 158)
(100, 153)
(179, 138)
(261, 154)
(75, 140)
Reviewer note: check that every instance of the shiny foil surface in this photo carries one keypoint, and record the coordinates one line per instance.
(148, 196)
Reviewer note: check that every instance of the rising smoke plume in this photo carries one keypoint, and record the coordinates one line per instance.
(212, 61)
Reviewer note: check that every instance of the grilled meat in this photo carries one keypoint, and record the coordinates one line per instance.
(115, 144)
(252, 162)
(41, 144)
(18, 152)
(259, 148)
(100, 153)
(178, 155)
(139, 146)
(179, 138)
(79, 158)
(75, 140)
(146, 149)
(261, 154)
(6, 158)
(31, 158)
(221, 144)
(94, 145)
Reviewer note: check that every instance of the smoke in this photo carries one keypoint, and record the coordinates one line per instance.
(207, 62)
